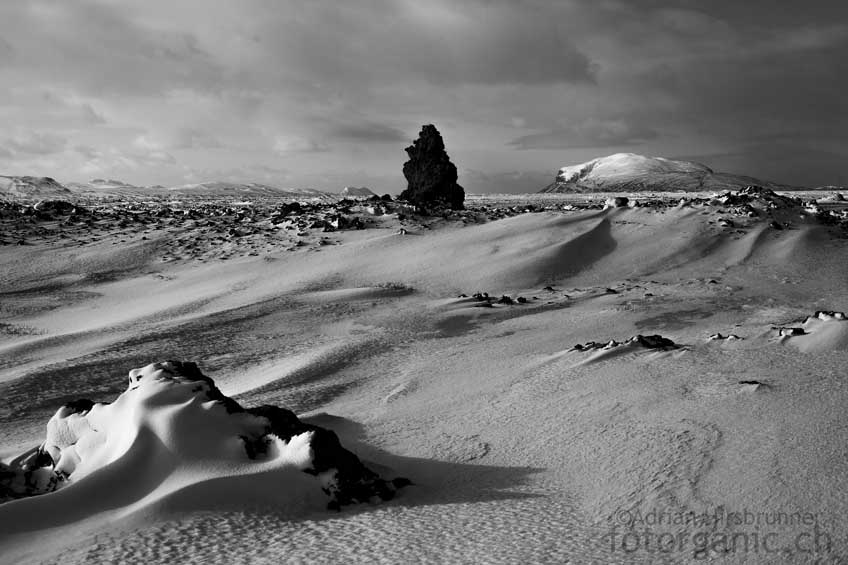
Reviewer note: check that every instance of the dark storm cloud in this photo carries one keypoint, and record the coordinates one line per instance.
(97, 47)
(722, 74)
(505, 182)
(370, 132)
(770, 86)
(484, 42)
(593, 133)
(821, 167)
(522, 85)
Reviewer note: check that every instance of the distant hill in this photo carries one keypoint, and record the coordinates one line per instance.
(110, 184)
(31, 187)
(361, 191)
(103, 185)
(218, 188)
(43, 187)
(628, 172)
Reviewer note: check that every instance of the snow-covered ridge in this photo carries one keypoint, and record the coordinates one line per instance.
(33, 187)
(629, 172)
(626, 164)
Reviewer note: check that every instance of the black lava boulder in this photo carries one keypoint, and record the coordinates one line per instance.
(430, 175)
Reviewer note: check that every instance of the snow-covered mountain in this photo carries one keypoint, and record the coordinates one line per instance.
(628, 172)
(362, 191)
(31, 187)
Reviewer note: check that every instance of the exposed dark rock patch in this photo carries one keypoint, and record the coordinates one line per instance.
(647, 341)
(721, 337)
(827, 315)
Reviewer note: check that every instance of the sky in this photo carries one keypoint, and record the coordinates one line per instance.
(325, 94)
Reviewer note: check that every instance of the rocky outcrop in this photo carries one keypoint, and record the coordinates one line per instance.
(430, 175)
(645, 341)
(57, 207)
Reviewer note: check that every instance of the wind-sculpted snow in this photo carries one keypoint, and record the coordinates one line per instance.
(186, 426)
(824, 330)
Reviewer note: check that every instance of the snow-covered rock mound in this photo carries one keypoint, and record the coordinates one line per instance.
(645, 341)
(756, 195)
(361, 191)
(628, 172)
(824, 330)
(31, 187)
(177, 429)
(835, 197)
(651, 347)
(721, 337)
(618, 202)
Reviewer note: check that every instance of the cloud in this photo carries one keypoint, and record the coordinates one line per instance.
(34, 143)
(147, 143)
(287, 144)
(90, 116)
(99, 47)
(175, 139)
(6, 52)
(601, 133)
(778, 161)
(369, 132)
(377, 42)
(193, 138)
(116, 162)
(491, 43)
(276, 176)
(213, 84)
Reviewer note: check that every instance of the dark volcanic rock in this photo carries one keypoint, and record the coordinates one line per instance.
(56, 207)
(654, 342)
(430, 174)
(647, 341)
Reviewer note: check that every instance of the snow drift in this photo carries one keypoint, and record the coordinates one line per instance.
(171, 430)
(824, 330)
